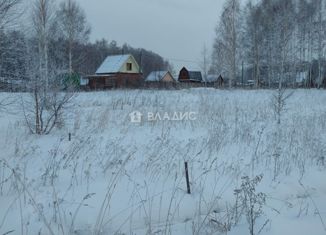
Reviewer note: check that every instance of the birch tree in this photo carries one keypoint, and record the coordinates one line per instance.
(44, 109)
(226, 46)
(283, 17)
(8, 11)
(43, 16)
(279, 38)
(253, 40)
(321, 39)
(74, 28)
(306, 11)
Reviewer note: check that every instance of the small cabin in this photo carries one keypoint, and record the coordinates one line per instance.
(118, 71)
(160, 76)
(216, 80)
(190, 76)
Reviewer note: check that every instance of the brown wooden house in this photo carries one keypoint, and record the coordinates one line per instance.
(215, 80)
(190, 76)
(119, 71)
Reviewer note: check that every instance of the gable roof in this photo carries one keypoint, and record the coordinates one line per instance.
(113, 64)
(214, 78)
(195, 76)
(156, 76)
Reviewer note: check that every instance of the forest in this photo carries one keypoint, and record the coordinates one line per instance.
(54, 43)
(267, 42)
(272, 42)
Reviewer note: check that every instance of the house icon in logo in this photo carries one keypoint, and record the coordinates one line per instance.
(135, 117)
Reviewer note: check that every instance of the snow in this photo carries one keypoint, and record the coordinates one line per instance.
(156, 76)
(117, 176)
(112, 64)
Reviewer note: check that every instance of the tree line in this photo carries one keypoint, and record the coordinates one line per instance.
(272, 42)
(48, 56)
(54, 44)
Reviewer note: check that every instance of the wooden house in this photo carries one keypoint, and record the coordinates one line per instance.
(118, 71)
(190, 76)
(215, 80)
(160, 76)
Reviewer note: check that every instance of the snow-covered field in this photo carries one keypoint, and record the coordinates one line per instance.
(120, 177)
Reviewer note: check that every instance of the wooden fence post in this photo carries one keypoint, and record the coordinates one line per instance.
(187, 178)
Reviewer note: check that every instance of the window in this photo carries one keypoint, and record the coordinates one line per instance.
(129, 66)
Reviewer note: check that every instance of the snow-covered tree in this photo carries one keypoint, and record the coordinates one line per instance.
(73, 27)
(321, 38)
(253, 40)
(8, 11)
(43, 15)
(44, 109)
(226, 46)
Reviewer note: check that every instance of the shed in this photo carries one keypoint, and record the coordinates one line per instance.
(160, 76)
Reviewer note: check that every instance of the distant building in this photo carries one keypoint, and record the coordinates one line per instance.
(190, 76)
(160, 76)
(118, 71)
(216, 80)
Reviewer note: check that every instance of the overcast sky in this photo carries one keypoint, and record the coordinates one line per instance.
(175, 29)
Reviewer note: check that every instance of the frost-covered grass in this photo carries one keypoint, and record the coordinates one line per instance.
(118, 177)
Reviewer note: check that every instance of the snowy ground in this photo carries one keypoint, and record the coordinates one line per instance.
(119, 177)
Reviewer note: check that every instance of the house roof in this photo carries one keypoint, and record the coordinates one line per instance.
(195, 76)
(112, 64)
(213, 77)
(156, 76)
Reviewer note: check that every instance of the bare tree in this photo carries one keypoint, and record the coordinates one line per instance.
(44, 109)
(226, 46)
(8, 11)
(280, 39)
(306, 11)
(285, 21)
(321, 39)
(42, 114)
(42, 22)
(73, 25)
(284, 18)
(279, 101)
(253, 40)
